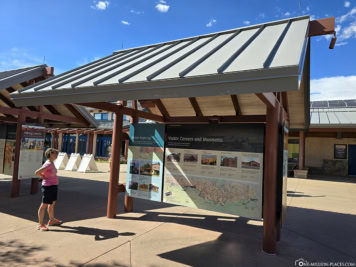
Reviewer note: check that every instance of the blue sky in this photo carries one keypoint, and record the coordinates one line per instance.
(69, 33)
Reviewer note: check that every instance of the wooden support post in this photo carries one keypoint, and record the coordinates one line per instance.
(52, 140)
(88, 144)
(15, 190)
(270, 181)
(94, 143)
(76, 142)
(126, 149)
(129, 200)
(56, 140)
(115, 165)
(301, 149)
(60, 141)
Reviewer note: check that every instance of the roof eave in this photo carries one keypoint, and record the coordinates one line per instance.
(246, 82)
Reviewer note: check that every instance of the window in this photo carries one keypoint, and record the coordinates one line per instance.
(104, 116)
(101, 116)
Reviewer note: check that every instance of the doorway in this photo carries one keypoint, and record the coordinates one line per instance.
(352, 160)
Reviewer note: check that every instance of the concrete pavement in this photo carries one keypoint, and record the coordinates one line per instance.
(320, 227)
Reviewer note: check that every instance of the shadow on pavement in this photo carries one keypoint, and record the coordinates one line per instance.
(17, 253)
(99, 234)
(339, 179)
(300, 194)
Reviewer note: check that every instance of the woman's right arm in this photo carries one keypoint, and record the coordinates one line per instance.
(40, 172)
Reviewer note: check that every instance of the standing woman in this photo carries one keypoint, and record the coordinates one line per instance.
(49, 188)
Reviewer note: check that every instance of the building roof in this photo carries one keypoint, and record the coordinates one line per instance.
(11, 77)
(260, 58)
(13, 80)
(333, 114)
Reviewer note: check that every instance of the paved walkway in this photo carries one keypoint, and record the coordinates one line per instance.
(320, 227)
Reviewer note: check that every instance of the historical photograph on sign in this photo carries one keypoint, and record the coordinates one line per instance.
(173, 157)
(250, 163)
(150, 168)
(9, 157)
(134, 167)
(191, 158)
(208, 160)
(228, 162)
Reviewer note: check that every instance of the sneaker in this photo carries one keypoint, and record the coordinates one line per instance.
(54, 222)
(42, 227)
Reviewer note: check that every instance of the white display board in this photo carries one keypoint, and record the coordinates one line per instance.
(61, 161)
(31, 152)
(74, 162)
(88, 164)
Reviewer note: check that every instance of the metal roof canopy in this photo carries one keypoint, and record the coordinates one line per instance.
(17, 79)
(261, 58)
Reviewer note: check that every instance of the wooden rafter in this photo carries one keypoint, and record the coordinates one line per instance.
(7, 101)
(52, 109)
(47, 116)
(269, 99)
(195, 106)
(125, 110)
(236, 104)
(285, 102)
(220, 119)
(162, 108)
(76, 113)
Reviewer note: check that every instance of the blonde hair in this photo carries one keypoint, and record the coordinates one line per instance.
(50, 151)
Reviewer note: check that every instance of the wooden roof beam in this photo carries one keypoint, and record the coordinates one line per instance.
(322, 26)
(61, 118)
(220, 119)
(195, 106)
(125, 110)
(269, 99)
(76, 113)
(236, 104)
(285, 102)
(162, 109)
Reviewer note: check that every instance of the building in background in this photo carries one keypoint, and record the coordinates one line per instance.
(330, 142)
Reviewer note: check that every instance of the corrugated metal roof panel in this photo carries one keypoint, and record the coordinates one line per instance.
(266, 55)
(332, 117)
(314, 118)
(323, 118)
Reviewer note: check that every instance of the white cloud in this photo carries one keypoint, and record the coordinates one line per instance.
(347, 4)
(246, 22)
(341, 43)
(100, 5)
(136, 12)
(261, 15)
(333, 88)
(349, 15)
(125, 22)
(308, 8)
(287, 14)
(17, 58)
(211, 23)
(162, 6)
(349, 30)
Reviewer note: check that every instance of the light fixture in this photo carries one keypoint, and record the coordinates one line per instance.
(333, 41)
